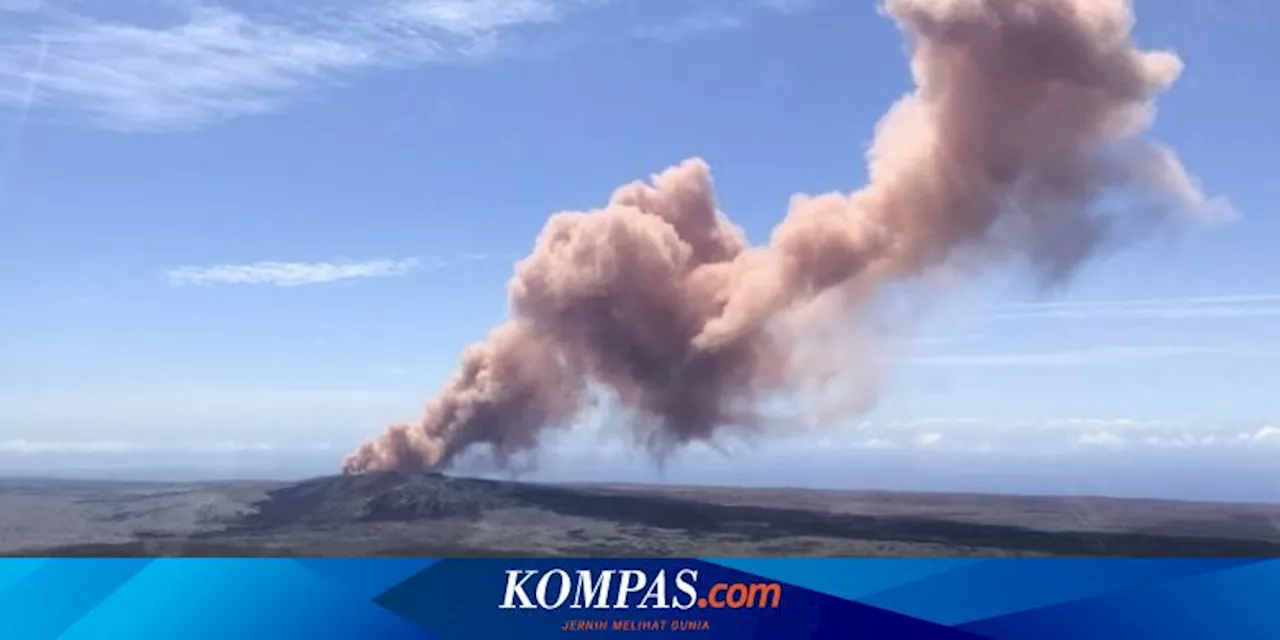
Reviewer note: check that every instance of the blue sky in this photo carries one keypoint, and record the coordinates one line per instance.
(240, 236)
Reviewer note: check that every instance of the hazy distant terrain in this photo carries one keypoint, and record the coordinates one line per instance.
(431, 515)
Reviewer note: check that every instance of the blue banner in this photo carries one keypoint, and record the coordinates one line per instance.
(471, 599)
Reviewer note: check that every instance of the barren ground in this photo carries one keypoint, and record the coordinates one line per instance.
(431, 515)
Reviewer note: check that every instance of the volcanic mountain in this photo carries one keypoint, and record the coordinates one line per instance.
(402, 514)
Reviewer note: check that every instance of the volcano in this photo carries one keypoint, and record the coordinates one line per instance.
(435, 515)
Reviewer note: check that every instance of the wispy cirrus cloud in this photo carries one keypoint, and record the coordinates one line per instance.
(205, 62)
(719, 19)
(1098, 356)
(297, 274)
(791, 6)
(290, 274)
(689, 25)
(159, 65)
(1211, 307)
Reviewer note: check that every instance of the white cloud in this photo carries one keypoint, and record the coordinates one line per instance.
(1104, 439)
(290, 274)
(1188, 438)
(963, 437)
(1267, 434)
(179, 64)
(706, 21)
(874, 443)
(689, 25)
(1032, 436)
(469, 17)
(215, 62)
(1124, 424)
(790, 6)
(927, 439)
(1181, 441)
(28, 447)
(1113, 355)
(1215, 307)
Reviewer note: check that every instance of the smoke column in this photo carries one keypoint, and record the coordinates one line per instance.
(1023, 143)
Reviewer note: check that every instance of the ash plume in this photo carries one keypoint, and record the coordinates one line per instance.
(1023, 143)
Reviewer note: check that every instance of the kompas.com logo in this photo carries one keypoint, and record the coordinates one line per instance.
(631, 588)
